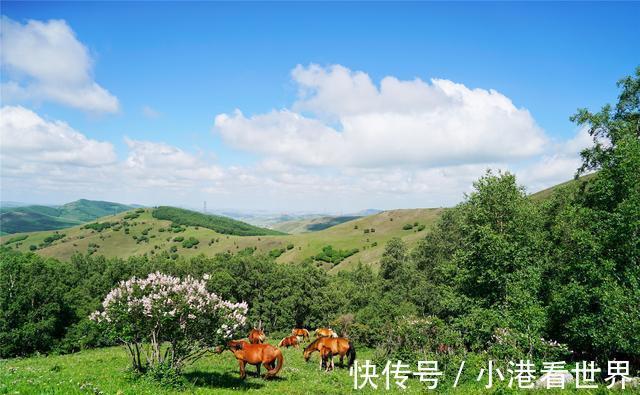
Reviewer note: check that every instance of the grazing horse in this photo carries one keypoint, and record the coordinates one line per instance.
(300, 332)
(325, 332)
(256, 354)
(257, 336)
(289, 341)
(336, 345)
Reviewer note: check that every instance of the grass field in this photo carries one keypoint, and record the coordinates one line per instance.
(105, 371)
(114, 242)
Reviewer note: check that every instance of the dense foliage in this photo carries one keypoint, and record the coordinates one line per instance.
(217, 223)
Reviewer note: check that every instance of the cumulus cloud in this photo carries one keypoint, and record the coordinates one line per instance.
(160, 164)
(29, 138)
(342, 118)
(46, 62)
(558, 164)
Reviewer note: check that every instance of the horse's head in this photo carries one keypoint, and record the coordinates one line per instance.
(235, 345)
(309, 349)
(307, 354)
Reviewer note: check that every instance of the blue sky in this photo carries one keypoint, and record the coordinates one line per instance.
(187, 63)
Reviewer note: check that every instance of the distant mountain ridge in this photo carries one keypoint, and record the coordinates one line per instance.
(36, 218)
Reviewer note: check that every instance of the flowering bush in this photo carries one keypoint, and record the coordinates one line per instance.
(165, 320)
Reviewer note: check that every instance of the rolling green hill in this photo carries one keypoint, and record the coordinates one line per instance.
(35, 218)
(220, 224)
(138, 232)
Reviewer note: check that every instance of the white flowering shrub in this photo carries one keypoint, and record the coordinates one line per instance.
(167, 320)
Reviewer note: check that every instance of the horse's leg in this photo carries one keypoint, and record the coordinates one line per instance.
(342, 360)
(267, 366)
(258, 370)
(242, 372)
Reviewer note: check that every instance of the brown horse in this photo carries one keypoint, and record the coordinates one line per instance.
(289, 341)
(257, 336)
(300, 332)
(256, 354)
(336, 345)
(325, 332)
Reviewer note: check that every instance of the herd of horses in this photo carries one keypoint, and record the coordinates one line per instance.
(256, 352)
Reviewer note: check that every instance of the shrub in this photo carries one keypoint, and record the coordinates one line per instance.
(366, 230)
(407, 227)
(190, 242)
(33, 247)
(145, 313)
(132, 215)
(50, 239)
(421, 227)
(98, 226)
(329, 254)
(276, 252)
(290, 246)
(178, 239)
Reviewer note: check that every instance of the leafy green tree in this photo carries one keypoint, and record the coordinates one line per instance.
(393, 259)
(33, 312)
(595, 227)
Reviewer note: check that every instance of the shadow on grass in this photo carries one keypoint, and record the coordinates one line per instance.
(222, 380)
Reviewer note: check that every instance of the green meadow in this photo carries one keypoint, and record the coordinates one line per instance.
(104, 371)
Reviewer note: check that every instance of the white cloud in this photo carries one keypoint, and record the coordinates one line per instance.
(46, 61)
(29, 138)
(398, 123)
(160, 164)
(150, 112)
(559, 164)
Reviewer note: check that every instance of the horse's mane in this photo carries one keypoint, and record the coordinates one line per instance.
(313, 343)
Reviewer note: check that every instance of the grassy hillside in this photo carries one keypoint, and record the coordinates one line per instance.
(35, 218)
(546, 193)
(138, 232)
(220, 224)
(312, 224)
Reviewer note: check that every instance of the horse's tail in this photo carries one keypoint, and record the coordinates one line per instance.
(280, 361)
(281, 342)
(352, 353)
